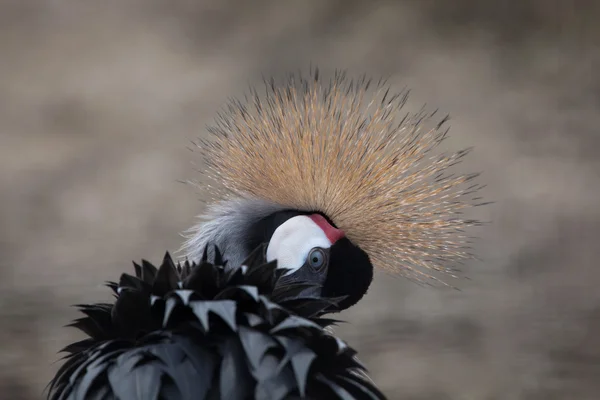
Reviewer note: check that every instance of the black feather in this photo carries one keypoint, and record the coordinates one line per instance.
(201, 331)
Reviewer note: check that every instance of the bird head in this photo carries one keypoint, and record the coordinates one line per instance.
(311, 249)
(337, 182)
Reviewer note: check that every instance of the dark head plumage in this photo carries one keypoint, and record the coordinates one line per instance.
(204, 331)
(350, 273)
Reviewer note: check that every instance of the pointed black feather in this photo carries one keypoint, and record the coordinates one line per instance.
(137, 383)
(203, 360)
(225, 309)
(309, 307)
(325, 322)
(203, 279)
(131, 313)
(88, 372)
(166, 279)
(79, 346)
(240, 324)
(359, 390)
(149, 272)
(138, 270)
(204, 258)
(256, 257)
(340, 392)
(89, 327)
(218, 260)
(113, 286)
(238, 292)
(294, 322)
(263, 277)
(301, 363)
(130, 282)
(186, 270)
(276, 387)
(235, 381)
(256, 344)
(291, 290)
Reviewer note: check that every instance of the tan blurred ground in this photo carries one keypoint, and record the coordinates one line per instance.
(99, 99)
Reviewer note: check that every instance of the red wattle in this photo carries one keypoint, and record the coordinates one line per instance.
(333, 234)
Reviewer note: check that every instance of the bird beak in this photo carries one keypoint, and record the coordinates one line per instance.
(312, 291)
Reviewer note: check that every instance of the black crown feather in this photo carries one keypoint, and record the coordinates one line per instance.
(203, 331)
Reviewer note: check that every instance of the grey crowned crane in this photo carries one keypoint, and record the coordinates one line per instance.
(313, 187)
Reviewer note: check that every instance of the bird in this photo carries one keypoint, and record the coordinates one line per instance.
(202, 331)
(338, 181)
(311, 185)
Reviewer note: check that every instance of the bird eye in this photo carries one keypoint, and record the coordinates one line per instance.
(316, 258)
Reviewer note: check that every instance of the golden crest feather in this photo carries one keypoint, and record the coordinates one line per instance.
(343, 149)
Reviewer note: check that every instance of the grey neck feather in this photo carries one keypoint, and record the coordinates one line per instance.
(227, 224)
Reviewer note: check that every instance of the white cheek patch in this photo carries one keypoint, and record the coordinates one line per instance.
(293, 240)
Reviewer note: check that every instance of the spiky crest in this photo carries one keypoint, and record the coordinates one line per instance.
(345, 150)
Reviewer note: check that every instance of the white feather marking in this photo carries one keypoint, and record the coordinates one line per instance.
(292, 242)
(184, 295)
(341, 345)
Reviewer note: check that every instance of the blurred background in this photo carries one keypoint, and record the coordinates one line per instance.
(99, 101)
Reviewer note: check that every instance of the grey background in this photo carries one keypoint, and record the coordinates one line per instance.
(99, 99)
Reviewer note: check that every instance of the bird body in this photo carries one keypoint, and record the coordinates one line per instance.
(200, 331)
